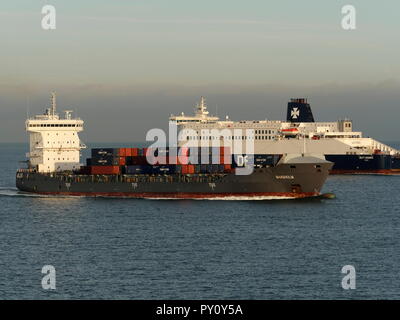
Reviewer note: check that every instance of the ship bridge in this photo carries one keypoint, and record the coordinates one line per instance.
(54, 140)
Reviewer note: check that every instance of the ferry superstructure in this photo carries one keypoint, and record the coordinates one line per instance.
(348, 149)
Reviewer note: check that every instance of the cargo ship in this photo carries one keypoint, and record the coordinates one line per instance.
(350, 152)
(170, 172)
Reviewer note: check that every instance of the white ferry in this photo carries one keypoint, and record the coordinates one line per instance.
(349, 150)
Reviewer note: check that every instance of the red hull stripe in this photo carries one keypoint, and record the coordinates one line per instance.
(185, 195)
(383, 171)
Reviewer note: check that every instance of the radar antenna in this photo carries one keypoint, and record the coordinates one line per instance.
(53, 103)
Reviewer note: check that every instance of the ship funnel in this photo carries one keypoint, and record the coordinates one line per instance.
(299, 110)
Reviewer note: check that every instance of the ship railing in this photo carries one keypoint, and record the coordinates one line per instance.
(26, 170)
(77, 178)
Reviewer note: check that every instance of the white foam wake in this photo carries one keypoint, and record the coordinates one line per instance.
(14, 192)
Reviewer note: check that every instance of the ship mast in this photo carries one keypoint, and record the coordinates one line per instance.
(53, 104)
(202, 108)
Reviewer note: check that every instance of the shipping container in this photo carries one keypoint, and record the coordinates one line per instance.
(190, 168)
(163, 169)
(162, 160)
(105, 170)
(138, 169)
(122, 152)
(241, 160)
(106, 161)
(105, 152)
(184, 169)
(162, 151)
(178, 168)
(134, 152)
(227, 168)
(128, 161)
(122, 161)
(139, 160)
(213, 155)
(84, 170)
(197, 168)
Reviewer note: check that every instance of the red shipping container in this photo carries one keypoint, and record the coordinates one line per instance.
(105, 170)
(184, 169)
(128, 152)
(122, 161)
(190, 168)
(122, 152)
(134, 152)
(227, 167)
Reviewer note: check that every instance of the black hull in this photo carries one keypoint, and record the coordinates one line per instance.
(369, 163)
(283, 181)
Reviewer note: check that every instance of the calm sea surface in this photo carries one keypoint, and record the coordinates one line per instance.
(153, 249)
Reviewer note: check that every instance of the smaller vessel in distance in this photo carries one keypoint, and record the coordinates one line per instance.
(54, 168)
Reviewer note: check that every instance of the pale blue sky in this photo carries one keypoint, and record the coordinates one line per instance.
(143, 48)
(197, 42)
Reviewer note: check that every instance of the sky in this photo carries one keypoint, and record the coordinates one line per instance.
(125, 66)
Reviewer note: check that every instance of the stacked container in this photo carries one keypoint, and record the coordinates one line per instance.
(168, 160)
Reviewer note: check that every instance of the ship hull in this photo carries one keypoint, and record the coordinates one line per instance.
(282, 181)
(364, 164)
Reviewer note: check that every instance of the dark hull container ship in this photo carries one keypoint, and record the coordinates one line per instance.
(295, 177)
(159, 173)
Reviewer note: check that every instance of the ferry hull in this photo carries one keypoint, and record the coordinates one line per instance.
(364, 164)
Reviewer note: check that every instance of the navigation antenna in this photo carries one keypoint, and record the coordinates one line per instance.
(27, 107)
(53, 103)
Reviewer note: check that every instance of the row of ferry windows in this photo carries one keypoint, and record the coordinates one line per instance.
(53, 142)
(230, 138)
(56, 125)
(257, 131)
(264, 131)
